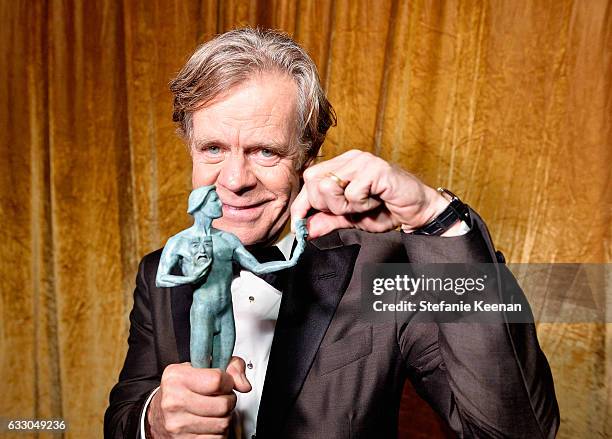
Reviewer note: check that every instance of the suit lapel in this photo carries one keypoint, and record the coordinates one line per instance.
(307, 307)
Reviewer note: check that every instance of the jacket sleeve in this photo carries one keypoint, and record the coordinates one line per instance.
(485, 380)
(140, 373)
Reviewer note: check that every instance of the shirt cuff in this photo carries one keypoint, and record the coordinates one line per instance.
(143, 415)
(464, 228)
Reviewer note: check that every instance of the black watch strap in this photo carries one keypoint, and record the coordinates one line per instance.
(455, 211)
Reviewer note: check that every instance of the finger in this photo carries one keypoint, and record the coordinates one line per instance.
(321, 184)
(300, 207)
(375, 220)
(346, 189)
(236, 369)
(322, 223)
(359, 198)
(329, 195)
(216, 406)
(221, 383)
(310, 195)
(326, 195)
(355, 198)
(200, 381)
(320, 193)
(331, 165)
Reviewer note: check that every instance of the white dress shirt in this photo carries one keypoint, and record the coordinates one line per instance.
(256, 304)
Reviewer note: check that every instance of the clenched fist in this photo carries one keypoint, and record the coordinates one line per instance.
(360, 190)
(196, 402)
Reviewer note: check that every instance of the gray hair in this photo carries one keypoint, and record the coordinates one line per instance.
(236, 56)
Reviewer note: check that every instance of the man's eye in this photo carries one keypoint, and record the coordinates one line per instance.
(266, 156)
(213, 150)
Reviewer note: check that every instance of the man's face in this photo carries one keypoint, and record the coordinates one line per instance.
(244, 143)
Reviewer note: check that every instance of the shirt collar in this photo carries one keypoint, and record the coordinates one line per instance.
(285, 244)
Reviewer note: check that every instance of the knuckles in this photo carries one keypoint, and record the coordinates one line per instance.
(169, 403)
(214, 378)
(353, 152)
(173, 426)
(361, 160)
(228, 404)
(224, 406)
(172, 372)
(374, 162)
(309, 173)
(327, 185)
(223, 425)
(176, 376)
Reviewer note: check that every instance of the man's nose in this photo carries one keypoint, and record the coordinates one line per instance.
(236, 174)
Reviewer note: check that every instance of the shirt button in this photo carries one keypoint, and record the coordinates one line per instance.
(250, 365)
(251, 299)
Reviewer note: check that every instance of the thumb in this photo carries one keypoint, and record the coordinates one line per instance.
(322, 223)
(235, 369)
(299, 208)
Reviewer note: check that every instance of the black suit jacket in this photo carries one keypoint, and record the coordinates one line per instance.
(334, 374)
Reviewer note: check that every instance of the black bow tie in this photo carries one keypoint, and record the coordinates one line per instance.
(268, 254)
(277, 279)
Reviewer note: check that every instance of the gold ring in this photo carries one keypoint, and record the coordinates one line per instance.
(337, 180)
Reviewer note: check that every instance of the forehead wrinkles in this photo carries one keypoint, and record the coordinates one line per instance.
(261, 127)
(261, 110)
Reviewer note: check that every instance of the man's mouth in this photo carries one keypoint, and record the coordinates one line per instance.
(246, 212)
(244, 206)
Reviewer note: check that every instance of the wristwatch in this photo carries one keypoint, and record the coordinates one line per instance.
(455, 211)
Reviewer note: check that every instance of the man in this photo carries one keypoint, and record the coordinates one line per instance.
(251, 108)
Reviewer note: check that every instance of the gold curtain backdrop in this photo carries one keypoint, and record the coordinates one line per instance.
(507, 103)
